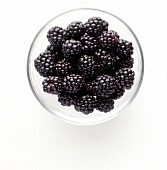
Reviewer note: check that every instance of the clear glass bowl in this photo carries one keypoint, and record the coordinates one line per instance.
(48, 101)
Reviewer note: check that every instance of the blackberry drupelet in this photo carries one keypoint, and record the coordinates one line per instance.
(95, 26)
(109, 39)
(108, 62)
(74, 30)
(71, 49)
(85, 104)
(125, 78)
(73, 83)
(65, 99)
(52, 85)
(124, 48)
(89, 44)
(55, 36)
(104, 86)
(87, 66)
(63, 68)
(45, 64)
(105, 104)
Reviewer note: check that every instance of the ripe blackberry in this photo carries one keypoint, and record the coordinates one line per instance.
(85, 104)
(89, 87)
(52, 85)
(63, 68)
(125, 78)
(86, 66)
(104, 86)
(124, 48)
(74, 30)
(55, 52)
(105, 104)
(108, 39)
(107, 61)
(65, 99)
(71, 49)
(73, 83)
(95, 26)
(89, 44)
(105, 25)
(119, 92)
(45, 64)
(55, 36)
(126, 62)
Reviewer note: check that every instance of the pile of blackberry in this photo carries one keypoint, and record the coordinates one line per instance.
(86, 65)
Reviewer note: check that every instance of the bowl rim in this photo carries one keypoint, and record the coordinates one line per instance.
(125, 106)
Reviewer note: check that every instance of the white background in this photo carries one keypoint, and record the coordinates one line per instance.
(33, 139)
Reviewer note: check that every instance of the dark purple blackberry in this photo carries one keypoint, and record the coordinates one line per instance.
(87, 66)
(95, 26)
(104, 86)
(105, 104)
(89, 44)
(55, 36)
(71, 49)
(63, 68)
(107, 61)
(89, 87)
(65, 99)
(108, 39)
(45, 64)
(85, 104)
(124, 48)
(73, 83)
(55, 52)
(74, 30)
(52, 85)
(125, 78)
(126, 62)
(105, 25)
(119, 92)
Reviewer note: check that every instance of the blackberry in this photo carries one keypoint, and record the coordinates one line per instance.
(124, 48)
(89, 87)
(125, 78)
(45, 64)
(126, 62)
(71, 49)
(104, 86)
(119, 92)
(95, 26)
(52, 85)
(74, 30)
(86, 66)
(105, 104)
(85, 104)
(82, 92)
(65, 99)
(108, 62)
(89, 44)
(109, 39)
(105, 25)
(55, 36)
(55, 52)
(73, 83)
(63, 68)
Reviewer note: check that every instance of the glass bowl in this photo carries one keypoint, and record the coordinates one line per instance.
(48, 101)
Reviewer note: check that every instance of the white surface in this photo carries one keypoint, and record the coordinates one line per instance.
(31, 138)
